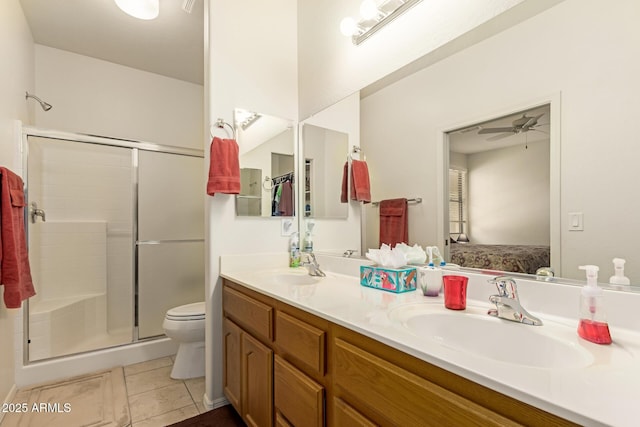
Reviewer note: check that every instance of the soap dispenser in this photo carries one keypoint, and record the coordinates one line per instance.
(593, 325)
(619, 278)
(308, 239)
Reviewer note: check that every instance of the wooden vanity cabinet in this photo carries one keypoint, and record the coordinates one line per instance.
(274, 371)
(248, 358)
(286, 367)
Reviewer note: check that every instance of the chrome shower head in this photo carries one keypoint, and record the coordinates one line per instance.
(45, 105)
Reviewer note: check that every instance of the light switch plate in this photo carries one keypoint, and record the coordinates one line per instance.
(576, 221)
(286, 227)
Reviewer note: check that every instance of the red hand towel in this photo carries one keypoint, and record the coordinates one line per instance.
(394, 225)
(224, 167)
(360, 186)
(345, 183)
(15, 273)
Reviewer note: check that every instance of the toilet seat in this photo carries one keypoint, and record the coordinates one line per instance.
(186, 312)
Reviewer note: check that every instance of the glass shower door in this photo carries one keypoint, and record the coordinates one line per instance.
(170, 246)
(80, 247)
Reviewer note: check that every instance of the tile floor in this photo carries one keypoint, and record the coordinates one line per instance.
(154, 398)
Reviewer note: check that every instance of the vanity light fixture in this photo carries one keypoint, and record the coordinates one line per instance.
(141, 9)
(245, 118)
(373, 16)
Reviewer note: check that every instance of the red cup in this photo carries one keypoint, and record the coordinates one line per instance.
(455, 292)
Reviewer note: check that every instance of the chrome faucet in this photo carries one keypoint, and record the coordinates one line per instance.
(508, 304)
(312, 264)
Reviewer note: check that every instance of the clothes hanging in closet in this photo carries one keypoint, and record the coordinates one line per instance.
(282, 196)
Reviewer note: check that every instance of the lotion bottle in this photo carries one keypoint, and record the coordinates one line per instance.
(431, 280)
(593, 324)
(619, 278)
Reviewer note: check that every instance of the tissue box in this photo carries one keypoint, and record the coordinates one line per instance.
(388, 279)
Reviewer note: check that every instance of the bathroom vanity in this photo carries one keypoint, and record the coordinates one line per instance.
(307, 351)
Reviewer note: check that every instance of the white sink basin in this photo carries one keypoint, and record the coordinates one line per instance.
(296, 278)
(550, 346)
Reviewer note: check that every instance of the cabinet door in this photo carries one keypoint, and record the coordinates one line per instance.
(297, 397)
(257, 379)
(232, 375)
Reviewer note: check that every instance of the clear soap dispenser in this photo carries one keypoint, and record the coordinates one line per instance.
(593, 324)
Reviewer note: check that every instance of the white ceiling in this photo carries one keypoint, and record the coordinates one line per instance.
(468, 141)
(171, 45)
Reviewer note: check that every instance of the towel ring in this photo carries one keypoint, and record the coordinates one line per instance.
(267, 179)
(220, 123)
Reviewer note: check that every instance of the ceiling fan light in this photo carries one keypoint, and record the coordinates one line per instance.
(141, 9)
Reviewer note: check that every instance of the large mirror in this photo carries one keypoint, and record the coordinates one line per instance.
(324, 152)
(586, 193)
(267, 165)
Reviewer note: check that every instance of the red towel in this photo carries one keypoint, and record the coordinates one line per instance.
(15, 273)
(394, 224)
(360, 186)
(224, 167)
(344, 196)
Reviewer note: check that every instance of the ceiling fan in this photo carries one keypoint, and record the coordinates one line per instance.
(519, 125)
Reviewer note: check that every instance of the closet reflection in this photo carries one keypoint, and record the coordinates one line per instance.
(267, 165)
(324, 152)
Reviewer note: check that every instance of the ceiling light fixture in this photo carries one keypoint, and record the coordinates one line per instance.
(244, 118)
(141, 9)
(373, 17)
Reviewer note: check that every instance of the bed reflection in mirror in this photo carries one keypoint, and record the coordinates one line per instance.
(267, 165)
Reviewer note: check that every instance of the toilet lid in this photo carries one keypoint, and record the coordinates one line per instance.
(188, 311)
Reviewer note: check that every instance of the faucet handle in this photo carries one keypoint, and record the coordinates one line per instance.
(506, 286)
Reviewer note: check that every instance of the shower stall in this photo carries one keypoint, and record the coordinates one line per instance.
(116, 238)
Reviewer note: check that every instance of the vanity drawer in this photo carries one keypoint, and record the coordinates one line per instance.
(302, 341)
(297, 397)
(344, 415)
(249, 313)
(409, 400)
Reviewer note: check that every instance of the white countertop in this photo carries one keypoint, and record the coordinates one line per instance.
(605, 392)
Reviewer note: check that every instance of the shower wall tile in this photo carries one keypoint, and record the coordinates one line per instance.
(72, 259)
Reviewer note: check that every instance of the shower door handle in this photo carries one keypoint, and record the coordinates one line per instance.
(36, 212)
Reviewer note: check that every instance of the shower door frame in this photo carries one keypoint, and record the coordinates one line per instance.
(28, 131)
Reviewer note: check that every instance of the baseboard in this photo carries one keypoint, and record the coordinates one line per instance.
(8, 399)
(213, 404)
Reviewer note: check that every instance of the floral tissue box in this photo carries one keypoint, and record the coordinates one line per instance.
(388, 279)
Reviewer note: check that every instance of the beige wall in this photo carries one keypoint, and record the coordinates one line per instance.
(16, 77)
(252, 64)
(102, 98)
(509, 195)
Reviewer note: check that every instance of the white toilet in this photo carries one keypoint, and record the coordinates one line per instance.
(185, 325)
